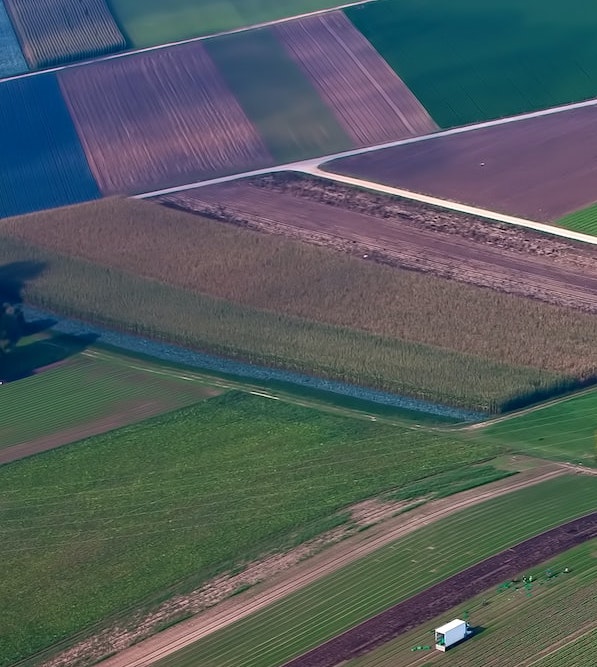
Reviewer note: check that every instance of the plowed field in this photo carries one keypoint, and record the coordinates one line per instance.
(55, 32)
(159, 118)
(371, 102)
(408, 235)
(540, 168)
(448, 593)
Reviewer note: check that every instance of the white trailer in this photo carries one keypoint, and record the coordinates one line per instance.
(451, 633)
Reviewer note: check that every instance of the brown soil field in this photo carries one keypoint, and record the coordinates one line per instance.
(53, 32)
(406, 234)
(158, 118)
(449, 593)
(371, 102)
(281, 275)
(540, 168)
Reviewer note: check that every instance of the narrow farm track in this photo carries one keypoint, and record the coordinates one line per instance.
(448, 593)
(334, 558)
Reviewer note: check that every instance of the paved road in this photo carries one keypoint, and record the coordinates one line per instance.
(132, 52)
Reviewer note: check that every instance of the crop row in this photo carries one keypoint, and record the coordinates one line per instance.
(54, 32)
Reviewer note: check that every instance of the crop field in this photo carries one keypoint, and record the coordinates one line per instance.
(277, 96)
(159, 118)
(370, 101)
(41, 160)
(565, 429)
(83, 394)
(84, 546)
(53, 32)
(368, 330)
(540, 168)
(550, 624)
(150, 22)
(393, 573)
(467, 61)
(404, 234)
(11, 57)
(581, 221)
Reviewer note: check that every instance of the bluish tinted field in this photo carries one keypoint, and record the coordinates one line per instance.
(11, 58)
(41, 160)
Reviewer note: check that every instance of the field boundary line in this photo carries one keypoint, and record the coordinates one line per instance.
(190, 40)
(450, 205)
(159, 646)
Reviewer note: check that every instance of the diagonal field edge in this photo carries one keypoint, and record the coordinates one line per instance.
(448, 593)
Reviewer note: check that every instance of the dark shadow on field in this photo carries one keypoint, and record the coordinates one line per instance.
(31, 358)
(15, 276)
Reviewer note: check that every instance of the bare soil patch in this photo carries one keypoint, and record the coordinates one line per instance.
(450, 592)
(371, 102)
(405, 234)
(541, 168)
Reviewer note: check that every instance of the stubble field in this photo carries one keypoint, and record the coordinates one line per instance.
(469, 61)
(540, 168)
(386, 328)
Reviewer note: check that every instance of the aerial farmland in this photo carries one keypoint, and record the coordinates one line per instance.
(298, 333)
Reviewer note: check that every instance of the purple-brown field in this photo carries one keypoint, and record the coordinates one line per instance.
(159, 118)
(370, 101)
(54, 32)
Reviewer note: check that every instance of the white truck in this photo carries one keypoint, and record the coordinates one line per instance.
(451, 633)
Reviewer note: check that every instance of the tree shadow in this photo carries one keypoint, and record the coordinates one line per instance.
(15, 276)
(29, 359)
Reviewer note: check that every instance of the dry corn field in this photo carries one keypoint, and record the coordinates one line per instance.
(159, 118)
(371, 102)
(57, 31)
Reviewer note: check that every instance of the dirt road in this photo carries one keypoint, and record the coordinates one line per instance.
(183, 634)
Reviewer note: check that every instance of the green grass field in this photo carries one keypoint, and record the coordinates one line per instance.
(84, 394)
(566, 430)
(581, 221)
(471, 61)
(150, 22)
(277, 97)
(553, 626)
(288, 304)
(130, 517)
(318, 612)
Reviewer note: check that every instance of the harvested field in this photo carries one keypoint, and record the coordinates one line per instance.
(371, 102)
(54, 32)
(41, 160)
(450, 592)
(11, 57)
(159, 118)
(405, 234)
(541, 168)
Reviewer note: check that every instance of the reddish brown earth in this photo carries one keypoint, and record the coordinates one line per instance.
(540, 168)
(447, 594)
(369, 100)
(406, 234)
(159, 117)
